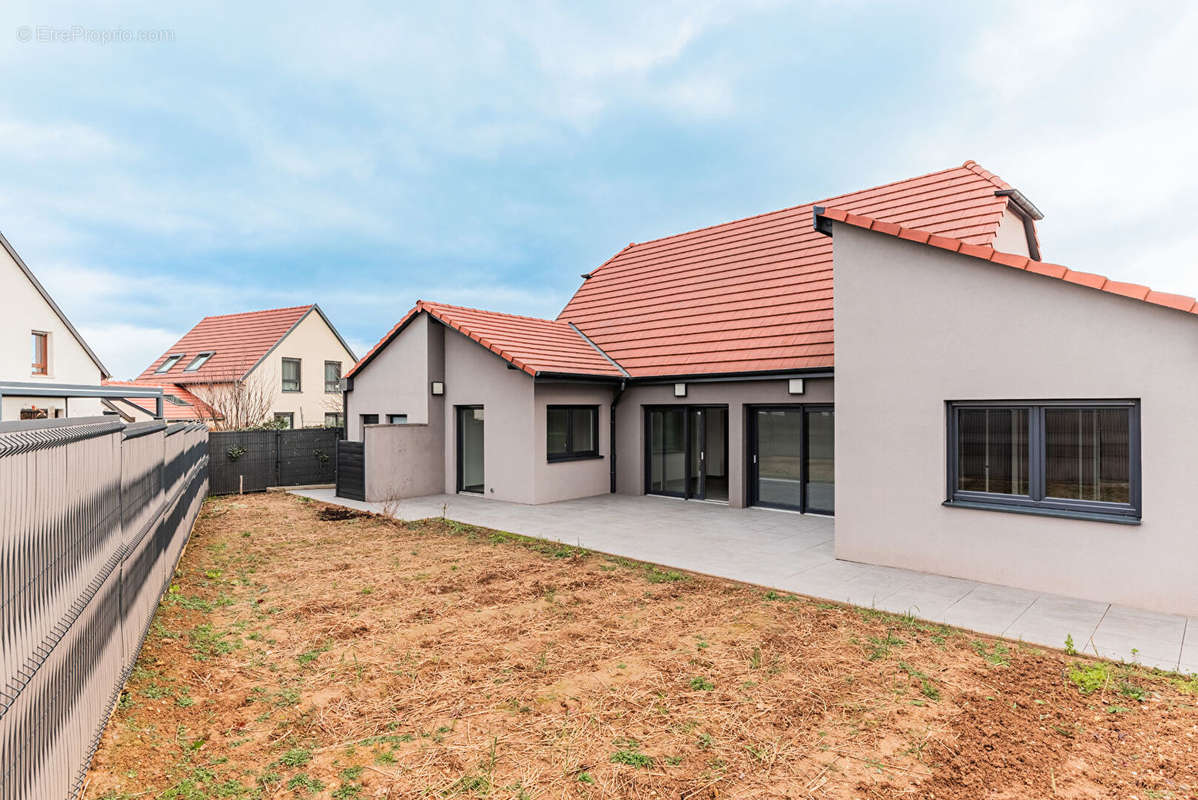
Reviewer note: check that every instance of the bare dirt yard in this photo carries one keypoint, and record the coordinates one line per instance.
(303, 652)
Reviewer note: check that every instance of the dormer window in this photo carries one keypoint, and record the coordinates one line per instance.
(170, 362)
(198, 362)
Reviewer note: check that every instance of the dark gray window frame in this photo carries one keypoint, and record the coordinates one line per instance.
(336, 383)
(1035, 502)
(192, 366)
(338, 422)
(299, 376)
(287, 415)
(571, 454)
(369, 419)
(391, 420)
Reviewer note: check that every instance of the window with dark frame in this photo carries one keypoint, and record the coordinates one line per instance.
(287, 417)
(1073, 458)
(572, 432)
(291, 375)
(332, 377)
(41, 353)
(397, 419)
(170, 361)
(370, 419)
(333, 420)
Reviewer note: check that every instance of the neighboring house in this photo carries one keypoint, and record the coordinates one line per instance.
(44, 363)
(978, 413)
(178, 404)
(284, 364)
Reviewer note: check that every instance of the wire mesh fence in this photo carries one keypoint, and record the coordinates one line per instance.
(94, 515)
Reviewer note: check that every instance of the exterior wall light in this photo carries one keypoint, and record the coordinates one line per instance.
(794, 386)
(680, 390)
(438, 387)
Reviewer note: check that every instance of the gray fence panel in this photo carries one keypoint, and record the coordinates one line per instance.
(351, 470)
(251, 461)
(90, 531)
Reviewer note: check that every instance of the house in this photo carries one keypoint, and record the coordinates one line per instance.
(47, 370)
(282, 364)
(899, 357)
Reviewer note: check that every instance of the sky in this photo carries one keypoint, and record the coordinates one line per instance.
(366, 155)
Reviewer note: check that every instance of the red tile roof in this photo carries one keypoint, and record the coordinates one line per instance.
(756, 294)
(1099, 282)
(237, 341)
(186, 406)
(534, 345)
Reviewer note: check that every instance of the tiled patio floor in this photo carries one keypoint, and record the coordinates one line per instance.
(793, 553)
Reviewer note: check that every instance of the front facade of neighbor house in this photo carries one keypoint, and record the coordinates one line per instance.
(986, 415)
(288, 361)
(44, 362)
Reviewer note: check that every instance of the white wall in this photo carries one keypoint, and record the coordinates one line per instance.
(1011, 236)
(313, 342)
(917, 326)
(22, 311)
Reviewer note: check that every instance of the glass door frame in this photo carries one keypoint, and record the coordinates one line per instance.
(752, 468)
(686, 409)
(458, 412)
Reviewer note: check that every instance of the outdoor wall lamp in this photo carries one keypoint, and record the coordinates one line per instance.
(680, 390)
(438, 387)
(794, 386)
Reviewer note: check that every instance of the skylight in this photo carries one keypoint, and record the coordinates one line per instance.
(171, 361)
(198, 362)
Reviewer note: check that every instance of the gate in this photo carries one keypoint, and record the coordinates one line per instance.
(351, 470)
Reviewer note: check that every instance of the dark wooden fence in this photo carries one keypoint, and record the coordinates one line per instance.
(251, 461)
(351, 470)
(94, 515)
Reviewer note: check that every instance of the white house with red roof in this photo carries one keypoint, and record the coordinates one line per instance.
(899, 357)
(45, 364)
(290, 358)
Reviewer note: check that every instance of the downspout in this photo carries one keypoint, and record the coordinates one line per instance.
(611, 448)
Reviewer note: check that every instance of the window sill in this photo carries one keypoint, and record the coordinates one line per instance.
(1043, 512)
(292, 391)
(583, 457)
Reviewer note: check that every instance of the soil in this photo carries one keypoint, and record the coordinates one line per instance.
(304, 652)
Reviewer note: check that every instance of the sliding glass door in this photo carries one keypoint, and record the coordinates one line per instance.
(687, 452)
(791, 458)
(470, 449)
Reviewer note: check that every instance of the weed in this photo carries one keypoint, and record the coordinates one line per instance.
(297, 757)
(1069, 648)
(311, 655)
(705, 741)
(657, 575)
(882, 645)
(998, 654)
(347, 791)
(632, 756)
(701, 684)
(304, 783)
(207, 642)
(351, 773)
(772, 596)
(1090, 679)
(585, 777)
(755, 658)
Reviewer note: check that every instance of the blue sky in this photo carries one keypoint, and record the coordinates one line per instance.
(365, 155)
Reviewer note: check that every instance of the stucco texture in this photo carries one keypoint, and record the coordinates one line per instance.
(916, 327)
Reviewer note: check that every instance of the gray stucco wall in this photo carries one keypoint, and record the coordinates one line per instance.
(917, 326)
(404, 460)
(396, 381)
(630, 422)
(564, 480)
(476, 376)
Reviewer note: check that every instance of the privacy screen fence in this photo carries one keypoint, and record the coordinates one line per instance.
(93, 517)
(251, 461)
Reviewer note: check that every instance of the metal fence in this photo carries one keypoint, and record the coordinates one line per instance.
(351, 470)
(251, 461)
(93, 517)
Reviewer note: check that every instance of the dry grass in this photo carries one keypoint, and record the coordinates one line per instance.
(349, 658)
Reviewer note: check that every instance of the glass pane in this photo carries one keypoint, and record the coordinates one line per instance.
(695, 452)
(556, 425)
(779, 457)
(471, 431)
(667, 450)
(992, 450)
(1087, 454)
(715, 459)
(583, 420)
(821, 473)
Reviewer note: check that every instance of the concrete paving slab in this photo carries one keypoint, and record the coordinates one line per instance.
(1052, 618)
(989, 608)
(795, 553)
(1138, 636)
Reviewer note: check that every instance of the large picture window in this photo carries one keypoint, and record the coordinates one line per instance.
(1076, 458)
(572, 432)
